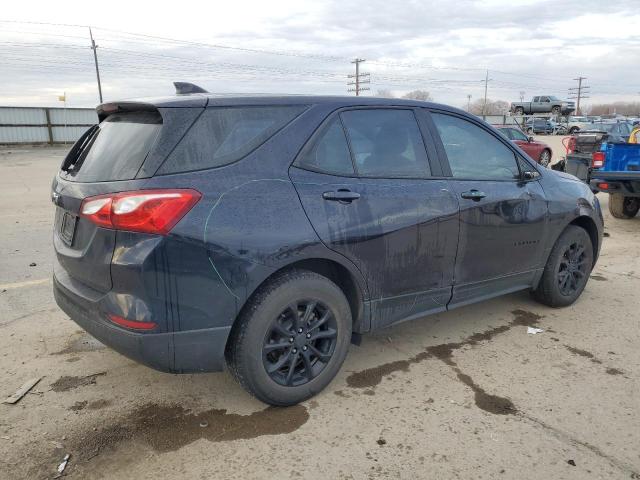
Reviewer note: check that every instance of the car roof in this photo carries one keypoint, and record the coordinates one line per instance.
(212, 100)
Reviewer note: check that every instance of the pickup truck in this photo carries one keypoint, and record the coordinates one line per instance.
(543, 104)
(616, 170)
(602, 159)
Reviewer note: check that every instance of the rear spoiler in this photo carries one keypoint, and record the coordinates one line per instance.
(106, 109)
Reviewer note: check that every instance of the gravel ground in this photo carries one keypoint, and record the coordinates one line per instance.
(464, 394)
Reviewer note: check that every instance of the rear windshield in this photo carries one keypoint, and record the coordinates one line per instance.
(223, 135)
(113, 150)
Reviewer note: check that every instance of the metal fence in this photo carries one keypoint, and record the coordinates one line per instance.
(33, 125)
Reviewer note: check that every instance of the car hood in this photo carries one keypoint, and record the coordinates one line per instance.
(564, 176)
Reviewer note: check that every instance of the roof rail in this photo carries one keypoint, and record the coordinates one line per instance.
(184, 88)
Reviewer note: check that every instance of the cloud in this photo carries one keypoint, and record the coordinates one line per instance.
(442, 47)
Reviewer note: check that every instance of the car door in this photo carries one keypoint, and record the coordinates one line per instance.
(535, 104)
(374, 195)
(503, 218)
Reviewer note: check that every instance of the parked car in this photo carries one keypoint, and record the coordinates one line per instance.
(539, 125)
(268, 233)
(539, 151)
(576, 124)
(543, 104)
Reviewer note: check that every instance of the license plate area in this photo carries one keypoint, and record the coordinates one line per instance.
(67, 227)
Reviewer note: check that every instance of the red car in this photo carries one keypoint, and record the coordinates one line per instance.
(541, 152)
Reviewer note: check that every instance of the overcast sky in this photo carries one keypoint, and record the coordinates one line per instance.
(535, 47)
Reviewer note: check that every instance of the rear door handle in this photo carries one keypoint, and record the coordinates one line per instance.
(474, 195)
(346, 196)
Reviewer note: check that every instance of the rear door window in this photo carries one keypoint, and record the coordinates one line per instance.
(115, 150)
(386, 143)
(223, 135)
(329, 152)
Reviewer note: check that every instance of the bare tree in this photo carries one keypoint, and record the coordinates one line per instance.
(384, 93)
(493, 107)
(421, 95)
(622, 108)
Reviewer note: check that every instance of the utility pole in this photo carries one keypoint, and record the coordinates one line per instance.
(522, 96)
(486, 84)
(358, 78)
(468, 102)
(579, 92)
(94, 47)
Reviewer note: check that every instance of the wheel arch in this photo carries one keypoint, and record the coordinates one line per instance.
(587, 223)
(351, 283)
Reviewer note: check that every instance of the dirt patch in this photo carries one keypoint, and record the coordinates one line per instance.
(583, 353)
(66, 383)
(84, 343)
(599, 278)
(168, 428)
(76, 407)
(98, 404)
(614, 371)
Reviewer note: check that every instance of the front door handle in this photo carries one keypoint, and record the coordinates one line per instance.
(345, 196)
(474, 195)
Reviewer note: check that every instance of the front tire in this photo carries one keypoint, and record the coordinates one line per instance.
(291, 338)
(519, 111)
(567, 270)
(623, 207)
(545, 158)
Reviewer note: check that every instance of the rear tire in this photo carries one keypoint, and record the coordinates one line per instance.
(567, 270)
(556, 110)
(574, 130)
(280, 350)
(623, 207)
(519, 111)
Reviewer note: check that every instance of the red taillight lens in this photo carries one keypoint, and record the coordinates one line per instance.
(132, 324)
(603, 186)
(569, 144)
(147, 211)
(597, 159)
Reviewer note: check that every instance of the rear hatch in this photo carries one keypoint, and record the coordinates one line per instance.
(119, 154)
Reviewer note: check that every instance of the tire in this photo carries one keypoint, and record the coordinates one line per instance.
(558, 289)
(259, 338)
(519, 111)
(623, 207)
(574, 130)
(530, 131)
(545, 157)
(555, 110)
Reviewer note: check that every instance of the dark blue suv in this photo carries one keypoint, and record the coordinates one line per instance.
(267, 233)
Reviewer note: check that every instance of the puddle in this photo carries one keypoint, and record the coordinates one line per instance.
(66, 383)
(599, 278)
(84, 343)
(491, 403)
(168, 428)
(583, 353)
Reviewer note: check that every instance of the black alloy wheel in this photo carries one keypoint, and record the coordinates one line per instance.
(573, 268)
(300, 343)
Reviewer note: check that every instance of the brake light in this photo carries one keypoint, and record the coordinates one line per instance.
(597, 159)
(569, 144)
(603, 186)
(132, 324)
(147, 211)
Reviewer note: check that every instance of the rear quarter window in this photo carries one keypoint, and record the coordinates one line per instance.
(223, 135)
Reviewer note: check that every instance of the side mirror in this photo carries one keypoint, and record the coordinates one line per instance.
(530, 139)
(530, 175)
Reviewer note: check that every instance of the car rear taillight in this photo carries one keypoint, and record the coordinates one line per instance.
(569, 144)
(132, 324)
(597, 159)
(147, 211)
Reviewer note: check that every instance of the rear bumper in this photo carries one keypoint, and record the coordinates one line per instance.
(625, 183)
(180, 352)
